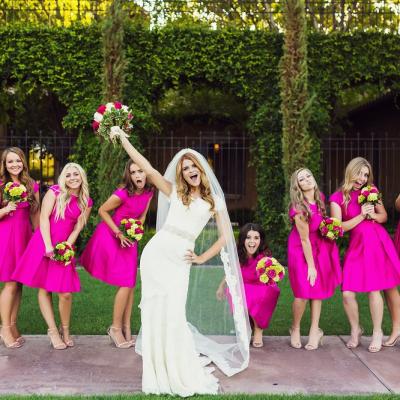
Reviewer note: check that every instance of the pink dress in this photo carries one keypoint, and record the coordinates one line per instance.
(103, 256)
(15, 232)
(261, 298)
(326, 260)
(397, 239)
(36, 270)
(371, 261)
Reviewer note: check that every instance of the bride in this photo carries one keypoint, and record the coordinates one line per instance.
(190, 196)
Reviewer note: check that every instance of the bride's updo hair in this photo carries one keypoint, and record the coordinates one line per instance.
(183, 189)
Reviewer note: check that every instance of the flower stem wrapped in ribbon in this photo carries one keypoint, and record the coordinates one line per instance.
(131, 228)
(270, 271)
(369, 194)
(64, 253)
(110, 115)
(331, 228)
(15, 192)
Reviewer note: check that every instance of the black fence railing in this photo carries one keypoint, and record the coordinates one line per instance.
(322, 15)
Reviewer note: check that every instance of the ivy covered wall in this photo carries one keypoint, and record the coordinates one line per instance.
(68, 62)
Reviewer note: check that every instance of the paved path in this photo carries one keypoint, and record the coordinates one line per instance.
(94, 366)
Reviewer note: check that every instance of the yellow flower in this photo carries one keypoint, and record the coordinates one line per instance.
(264, 278)
(124, 221)
(373, 197)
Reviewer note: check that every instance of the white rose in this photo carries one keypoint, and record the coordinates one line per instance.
(98, 117)
(125, 108)
(109, 106)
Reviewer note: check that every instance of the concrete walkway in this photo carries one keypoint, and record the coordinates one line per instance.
(94, 366)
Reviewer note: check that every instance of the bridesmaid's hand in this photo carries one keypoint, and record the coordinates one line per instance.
(49, 252)
(192, 258)
(10, 207)
(124, 241)
(367, 209)
(312, 275)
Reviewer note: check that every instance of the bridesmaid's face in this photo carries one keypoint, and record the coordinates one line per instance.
(306, 180)
(73, 178)
(252, 242)
(14, 164)
(138, 176)
(361, 179)
(191, 174)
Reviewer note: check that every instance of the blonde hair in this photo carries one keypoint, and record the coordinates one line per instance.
(353, 169)
(65, 197)
(23, 177)
(183, 189)
(297, 199)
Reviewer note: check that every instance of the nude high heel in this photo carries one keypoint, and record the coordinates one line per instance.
(122, 345)
(12, 345)
(69, 342)
(54, 337)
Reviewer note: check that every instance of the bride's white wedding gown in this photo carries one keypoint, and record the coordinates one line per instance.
(170, 361)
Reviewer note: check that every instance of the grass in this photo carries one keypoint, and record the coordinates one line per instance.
(92, 309)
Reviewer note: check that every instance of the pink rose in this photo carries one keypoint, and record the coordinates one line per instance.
(337, 228)
(268, 263)
(24, 194)
(373, 190)
(271, 273)
(138, 230)
(280, 275)
(101, 109)
(61, 251)
(128, 225)
(329, 220)
(95, 125)
(324, 230)
(117, 105)
(138, 222)
(130, 116)
(366, 193)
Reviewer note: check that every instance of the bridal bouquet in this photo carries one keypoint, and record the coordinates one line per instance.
(15, 192)
(64, 253)
(270, 270)
(132, 228)
(331, 228)
(369, 194)
(109, 115)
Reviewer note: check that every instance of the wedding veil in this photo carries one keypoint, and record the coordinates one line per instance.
(220, 328)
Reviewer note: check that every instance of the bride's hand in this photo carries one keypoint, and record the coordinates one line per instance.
(117, 132)
(192, 258)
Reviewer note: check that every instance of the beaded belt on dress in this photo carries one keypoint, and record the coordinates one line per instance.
(179, 232)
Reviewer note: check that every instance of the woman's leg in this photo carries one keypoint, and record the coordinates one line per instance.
(392, 297)
(376, 309)
(298, 308)
(126, 319)
(315, 335)
(15, 311)
(120, 303)
(65, 307)
(7, 300)
(258, 335)
(351, 308)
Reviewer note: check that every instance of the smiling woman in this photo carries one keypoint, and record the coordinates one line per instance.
(189, 197)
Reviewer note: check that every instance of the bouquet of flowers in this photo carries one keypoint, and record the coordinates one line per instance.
(331, 228)
(270, 270)
(369, 194)
(109, 115)
(131, 228)
(64, 253)
(15, 192)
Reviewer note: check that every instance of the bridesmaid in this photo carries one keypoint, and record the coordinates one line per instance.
(371, 263)
(111, 257)
(261, 299)
(15, 232)
(313, 262)
(65, 210)
(397, 234)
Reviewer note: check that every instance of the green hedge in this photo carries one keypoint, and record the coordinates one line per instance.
(68, 62)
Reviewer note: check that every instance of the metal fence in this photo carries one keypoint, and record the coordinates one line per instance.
(46, 153)
(382, 151)
(322, 15)
(228, 155)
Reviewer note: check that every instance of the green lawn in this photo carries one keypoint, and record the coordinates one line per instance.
(92, 309)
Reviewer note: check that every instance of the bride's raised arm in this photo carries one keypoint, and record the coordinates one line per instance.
(155, 177)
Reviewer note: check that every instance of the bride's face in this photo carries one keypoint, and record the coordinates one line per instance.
(190, 173)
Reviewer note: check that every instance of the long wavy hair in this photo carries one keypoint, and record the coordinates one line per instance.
(351, 173)
(297, 199)
(241, 248)
(65, 196)
(184, 189)
(23, 177)
(127, 182)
